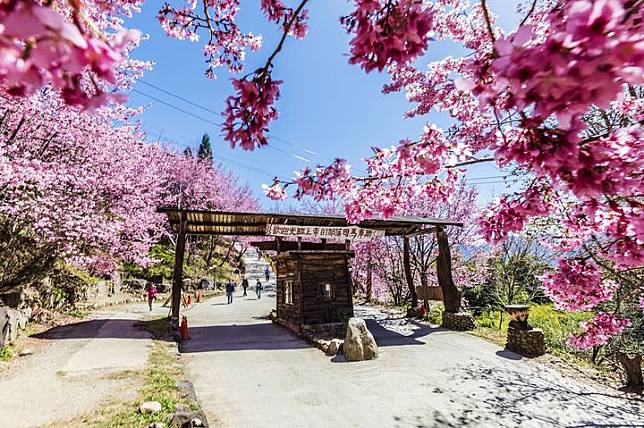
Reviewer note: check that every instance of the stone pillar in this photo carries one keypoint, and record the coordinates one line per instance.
(523, 338)
(116, 281)
(459, 321)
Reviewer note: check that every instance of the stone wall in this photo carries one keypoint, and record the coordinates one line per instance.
(459, 321)
(529, 343)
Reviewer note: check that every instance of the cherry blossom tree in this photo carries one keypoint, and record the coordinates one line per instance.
(75, 186)
(378, 266)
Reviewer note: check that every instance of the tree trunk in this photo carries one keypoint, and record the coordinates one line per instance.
(633, 369)
(408, 276)
(451, 294)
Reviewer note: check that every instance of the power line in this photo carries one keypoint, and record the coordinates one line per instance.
(177, 108)
(271, 136)
(209, 110)
(252, 168)
(179, 97)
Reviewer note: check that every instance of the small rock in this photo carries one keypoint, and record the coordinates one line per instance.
(25, 352)
(156, 425)
(334, 347)
(187, 419)
(150, 407)
(180, 408)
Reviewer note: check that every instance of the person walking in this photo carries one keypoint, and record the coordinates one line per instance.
(151, 291)
(245, 286)
(267, 272)
(230, 289)
(258, 289)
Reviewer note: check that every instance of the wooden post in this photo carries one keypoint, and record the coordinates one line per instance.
(408, 276)
(177, 277)
(451, 294)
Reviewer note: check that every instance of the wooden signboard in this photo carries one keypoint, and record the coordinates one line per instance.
(352, 233)
(429, 293)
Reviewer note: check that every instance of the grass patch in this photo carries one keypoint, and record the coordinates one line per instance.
(123, 374)
(78, 314)
(159, 328)
(158, 382)
(8, 352)
(492, 334)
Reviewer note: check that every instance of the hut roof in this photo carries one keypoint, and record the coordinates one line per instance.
(206, 222)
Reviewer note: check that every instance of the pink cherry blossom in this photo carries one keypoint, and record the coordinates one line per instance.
(599, 331)
(249, 112)
(275, 191)
(387, 31)
(277, 12)
(39, 46)
(578, 285)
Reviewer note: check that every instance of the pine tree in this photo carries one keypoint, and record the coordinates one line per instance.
(205, 150)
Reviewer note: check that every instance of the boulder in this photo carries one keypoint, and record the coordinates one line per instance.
(334, 347)
(25, 352)
(150, 407)
(359, 343)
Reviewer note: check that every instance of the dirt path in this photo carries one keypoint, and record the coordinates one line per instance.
(248, 372)
(75, 369)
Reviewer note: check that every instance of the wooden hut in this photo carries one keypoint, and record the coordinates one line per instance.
(313, 283)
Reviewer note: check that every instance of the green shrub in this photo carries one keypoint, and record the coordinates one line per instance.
(557, 325)
(435, 312)
(490, 319)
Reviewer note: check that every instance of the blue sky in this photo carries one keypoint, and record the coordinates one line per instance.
(328, 108)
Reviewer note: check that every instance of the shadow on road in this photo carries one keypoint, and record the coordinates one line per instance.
(261, 336)
(388, 337)
(120, 329)
(255, 336)
(504, 353)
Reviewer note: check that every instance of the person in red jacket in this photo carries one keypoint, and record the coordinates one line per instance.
(151, 291)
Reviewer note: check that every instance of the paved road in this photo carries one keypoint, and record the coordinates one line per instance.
(248, 372)
(72, 369)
